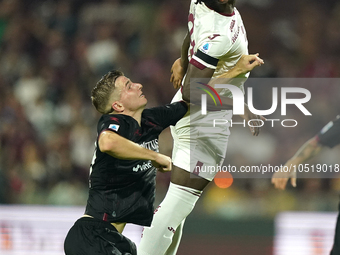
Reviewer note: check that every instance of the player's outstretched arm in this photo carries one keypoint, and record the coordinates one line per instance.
(244, 65)
(308, 150)
(122, 148)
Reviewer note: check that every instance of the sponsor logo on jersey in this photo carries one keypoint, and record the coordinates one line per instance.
(114, 127)
(235, 36)
(213, 36)
(145, 166)
(232, 25)
(151, 145)
(172, 229)
(114, 119)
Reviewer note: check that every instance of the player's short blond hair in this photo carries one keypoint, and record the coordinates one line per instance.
(102, 92)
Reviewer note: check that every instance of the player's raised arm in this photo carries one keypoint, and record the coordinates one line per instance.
(122, 148)
(244, 65)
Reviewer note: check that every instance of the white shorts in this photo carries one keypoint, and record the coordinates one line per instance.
(199, 147)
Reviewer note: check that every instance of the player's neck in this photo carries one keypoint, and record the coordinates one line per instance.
(137, 115)
(223, 8)
(227, 9)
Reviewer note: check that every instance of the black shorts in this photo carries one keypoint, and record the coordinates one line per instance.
(91, 236)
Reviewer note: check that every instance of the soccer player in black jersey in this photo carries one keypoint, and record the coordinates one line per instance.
(123, 169)
(329, 136)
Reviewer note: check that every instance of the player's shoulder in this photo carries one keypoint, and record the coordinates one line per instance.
(115, 122)
(118, 118)
(162, 112)
(172, 106)
(211, 22)
(151, 112)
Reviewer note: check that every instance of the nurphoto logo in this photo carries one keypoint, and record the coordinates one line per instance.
(238, 103)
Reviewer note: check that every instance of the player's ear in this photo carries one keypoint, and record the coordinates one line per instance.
(117, 106)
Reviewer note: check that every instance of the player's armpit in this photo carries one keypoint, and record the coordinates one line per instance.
(193, 95)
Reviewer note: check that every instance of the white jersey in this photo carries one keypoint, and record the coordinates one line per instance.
(217, 41)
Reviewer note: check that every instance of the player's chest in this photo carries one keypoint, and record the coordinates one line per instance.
(147, 138)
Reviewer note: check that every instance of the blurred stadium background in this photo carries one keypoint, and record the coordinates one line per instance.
(53, 52)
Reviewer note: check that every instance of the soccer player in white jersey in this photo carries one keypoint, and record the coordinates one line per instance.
(215, 47)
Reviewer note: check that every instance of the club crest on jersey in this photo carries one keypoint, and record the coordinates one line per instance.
(114, 127)
(206, 47)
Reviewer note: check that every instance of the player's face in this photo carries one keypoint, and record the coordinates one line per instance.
(231, 2)
(131, 95)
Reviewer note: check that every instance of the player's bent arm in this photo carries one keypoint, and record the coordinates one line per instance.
(122, 148)
(180, 65)
(194, 95)
(244, 65)
(184, 52)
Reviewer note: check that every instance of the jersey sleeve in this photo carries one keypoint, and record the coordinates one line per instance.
(330, 134)
(210, 50)
(168, 114)
(115, 124)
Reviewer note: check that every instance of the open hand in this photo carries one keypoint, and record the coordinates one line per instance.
(177, 73)
(248, 62)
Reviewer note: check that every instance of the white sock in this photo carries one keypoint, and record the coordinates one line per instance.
(176, 239)
(176, 206)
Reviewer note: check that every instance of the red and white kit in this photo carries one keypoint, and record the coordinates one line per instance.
(217, 42)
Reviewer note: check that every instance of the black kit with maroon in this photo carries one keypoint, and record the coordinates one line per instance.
(121, 190)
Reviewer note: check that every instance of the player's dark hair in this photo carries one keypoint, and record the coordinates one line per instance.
(102, 92)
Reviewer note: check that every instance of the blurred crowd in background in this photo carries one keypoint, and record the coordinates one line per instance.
(53, 52)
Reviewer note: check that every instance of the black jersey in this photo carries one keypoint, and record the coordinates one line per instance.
(330, 134)
(124, 190)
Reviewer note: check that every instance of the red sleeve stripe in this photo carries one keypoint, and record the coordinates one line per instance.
(198, 61)
(197, 64)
